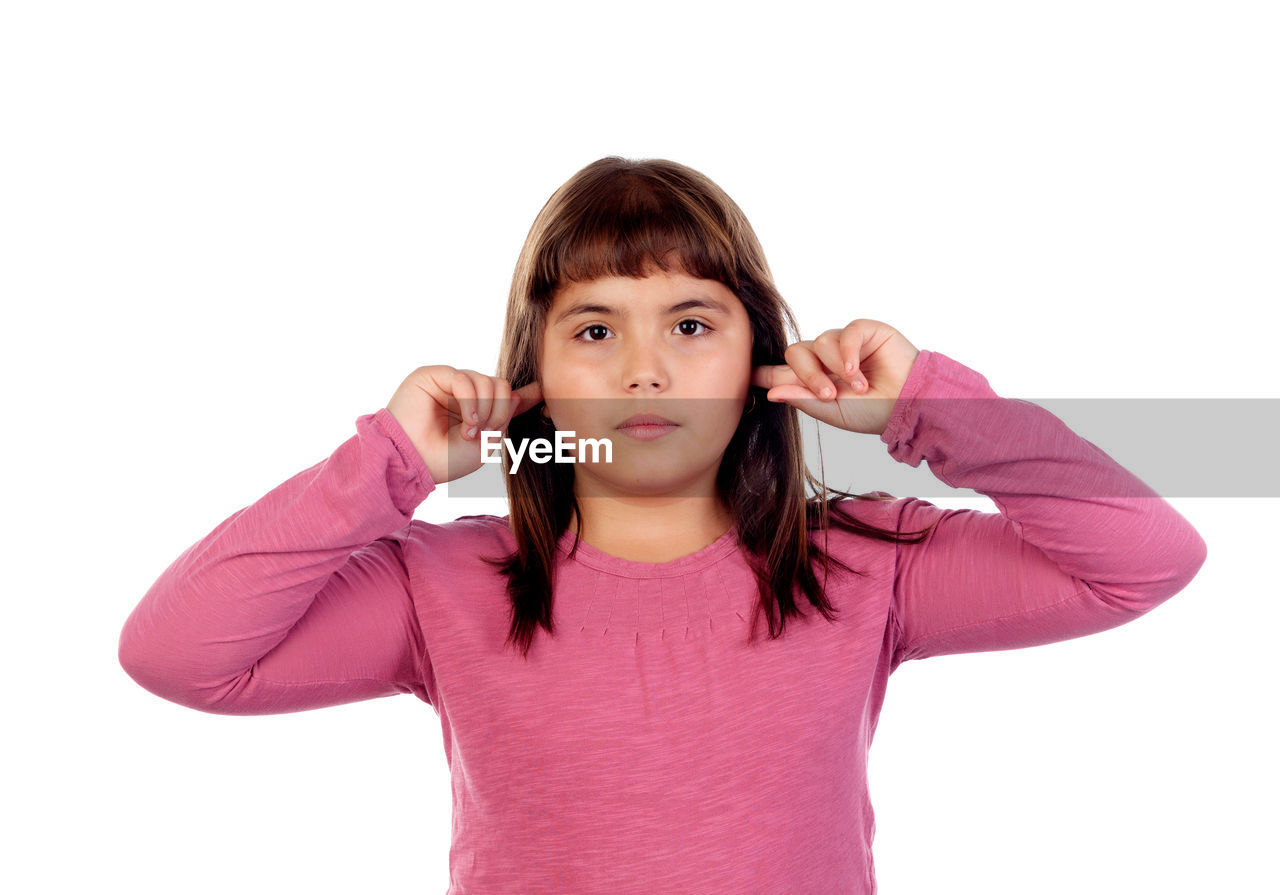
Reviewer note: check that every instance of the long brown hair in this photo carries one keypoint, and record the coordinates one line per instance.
(615, 217)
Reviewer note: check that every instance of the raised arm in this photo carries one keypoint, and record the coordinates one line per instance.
(298, 601)
(1079, 545)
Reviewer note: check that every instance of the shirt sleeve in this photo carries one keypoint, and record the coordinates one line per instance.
(1079, 544)
(300, 600)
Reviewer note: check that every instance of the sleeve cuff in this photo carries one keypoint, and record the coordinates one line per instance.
(389, 426)
(926, 409)
(899, 426)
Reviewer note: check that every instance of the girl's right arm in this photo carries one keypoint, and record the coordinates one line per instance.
(301, 600)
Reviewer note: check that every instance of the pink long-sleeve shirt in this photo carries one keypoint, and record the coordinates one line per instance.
(647, 747)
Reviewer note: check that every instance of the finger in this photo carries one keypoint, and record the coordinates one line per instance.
(503, 405)
(479, 413)
(530, 396)
(806, 402)
(852, 338)
(443, 379)
(464, 392)
(805, 364)
(485, 387)
(769, 375)
(786, 394)
(827, 347)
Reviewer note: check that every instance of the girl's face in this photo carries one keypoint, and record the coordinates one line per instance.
(669, 344)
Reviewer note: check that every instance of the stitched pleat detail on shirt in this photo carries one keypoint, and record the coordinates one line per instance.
(725, 593)
(609, 597)
(699, 603)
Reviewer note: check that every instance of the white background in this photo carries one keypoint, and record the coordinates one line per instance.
(229, 229)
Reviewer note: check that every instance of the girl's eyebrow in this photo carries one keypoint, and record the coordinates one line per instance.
(581, 308)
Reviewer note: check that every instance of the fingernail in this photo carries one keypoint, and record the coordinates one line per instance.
(827, 393)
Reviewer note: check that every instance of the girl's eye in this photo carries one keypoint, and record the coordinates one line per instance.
(592, 329)
(599, 328)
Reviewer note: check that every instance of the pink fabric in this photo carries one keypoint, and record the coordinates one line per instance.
(647, 748)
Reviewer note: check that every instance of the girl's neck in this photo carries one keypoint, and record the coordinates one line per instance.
(651, 533)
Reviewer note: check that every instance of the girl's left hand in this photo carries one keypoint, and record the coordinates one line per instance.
(864, 365)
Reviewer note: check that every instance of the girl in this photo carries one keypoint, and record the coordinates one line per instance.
(614, 719)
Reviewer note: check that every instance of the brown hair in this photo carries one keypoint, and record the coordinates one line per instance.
(615, 217)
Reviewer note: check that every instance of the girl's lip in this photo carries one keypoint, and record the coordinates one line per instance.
(645, 419)
(648, 431)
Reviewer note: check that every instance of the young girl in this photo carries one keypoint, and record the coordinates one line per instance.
(614, 716)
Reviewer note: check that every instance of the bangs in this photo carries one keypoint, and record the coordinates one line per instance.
(622, 227)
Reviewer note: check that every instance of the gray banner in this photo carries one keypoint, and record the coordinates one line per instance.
(1179, 447)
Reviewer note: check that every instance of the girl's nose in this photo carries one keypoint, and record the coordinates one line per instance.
(644, 370)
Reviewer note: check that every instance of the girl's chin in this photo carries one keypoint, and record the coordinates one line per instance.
(637, 478)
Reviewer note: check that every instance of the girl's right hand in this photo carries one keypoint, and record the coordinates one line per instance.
(443, 410)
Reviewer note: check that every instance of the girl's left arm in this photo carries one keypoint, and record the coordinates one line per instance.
(1080, 544)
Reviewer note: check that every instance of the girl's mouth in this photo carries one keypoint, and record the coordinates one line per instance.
(646, 426)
